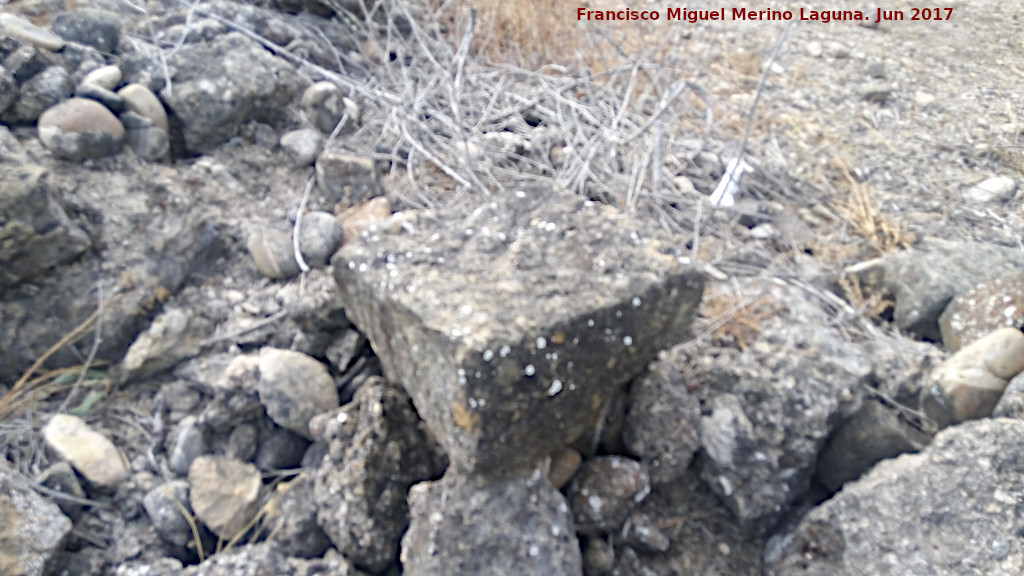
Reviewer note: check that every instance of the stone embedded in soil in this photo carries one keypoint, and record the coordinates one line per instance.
(970, 383)
(35, 232)
(112, 101)
(273, 253)
(9, 91)
(518, 526)
(91, 453)
(995, 189)
(347, 180)
(952, 509)
(161, 506)
(563, 465)
(294, 387)
(510, 325)
(604, 493)
(173, 336)
(97, 28)
(78, 129)
(224, 493)
(981, 310)
(294, 526)
(302, 146)
(33, 529)
(319, 237)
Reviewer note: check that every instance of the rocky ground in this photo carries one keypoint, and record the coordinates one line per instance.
(319, 287)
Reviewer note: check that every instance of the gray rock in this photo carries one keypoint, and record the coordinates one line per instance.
(224, 493)
(187, 442)
(62, 478)
(922, 282)
(35, 232)
(163, 506)
(662, 425)
(511, 325)
(143, 102)
(243, 443)
(261, 86)
(324, 106)
(17, 27)
(97, 28)
(81, 59)
(302, 146)
(11, 150)
(112, 101)
(26, 61)
(521, 525)
(344, 348)
(981, 310)
(173, 336)
(9, 91)
(640, 531)
(78, 129)
(280, 450)
(605, 492)
(294, 388)
(376, 451)
(319, 237)
(91, 453)
(294, 527)
(771, 406)
(347, 180)
(876, 432)
(39, 93)
(950, 510)
(33, 529)
(145, 69)
(273, 253)
(969, 384)
(146, 140)
(108, 77)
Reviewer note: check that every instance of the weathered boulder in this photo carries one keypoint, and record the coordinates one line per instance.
(516, 526)
(511, 324)
(376, 452)
(952, 509)
(235, 81)
(974, 314)
(770, 407)
(923, 282)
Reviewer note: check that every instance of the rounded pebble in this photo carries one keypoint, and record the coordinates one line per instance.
(319, 237)
(105, 77)
(302, 146)
(93, 92)
(273, 254)
(143, 102)
(295, 387)
(77, 129)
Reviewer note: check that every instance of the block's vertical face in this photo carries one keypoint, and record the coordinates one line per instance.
(511, 325)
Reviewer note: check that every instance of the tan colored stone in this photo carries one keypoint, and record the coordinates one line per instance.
(143, 102)
(224, 493)
(358, 218)
(91, 453)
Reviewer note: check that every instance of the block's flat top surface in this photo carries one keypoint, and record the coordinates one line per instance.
(515, 264)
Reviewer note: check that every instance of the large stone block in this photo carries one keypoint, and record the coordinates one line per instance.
(511, 324)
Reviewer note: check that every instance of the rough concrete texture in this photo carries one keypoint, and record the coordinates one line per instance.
(511, 324)
(953, 509)
(519, 526)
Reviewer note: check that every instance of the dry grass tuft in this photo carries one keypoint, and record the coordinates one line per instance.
(860, 210)
(735, 322)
